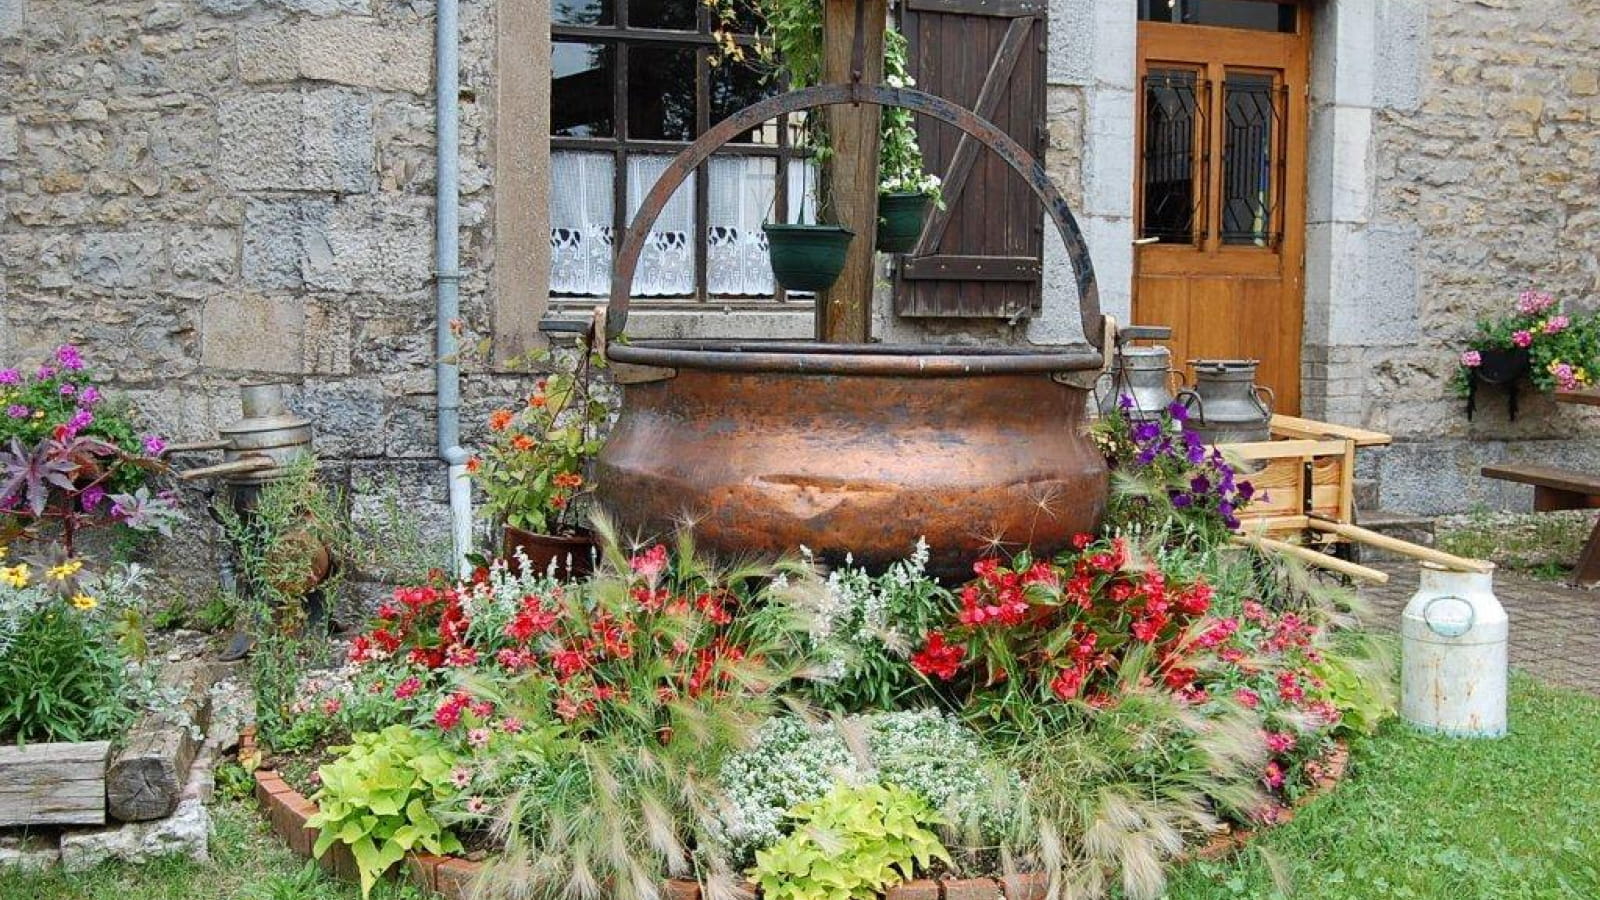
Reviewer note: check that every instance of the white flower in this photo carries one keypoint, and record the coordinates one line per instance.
(895, 81)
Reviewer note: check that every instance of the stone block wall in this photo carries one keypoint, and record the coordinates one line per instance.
(207, 192)
(1476, 132)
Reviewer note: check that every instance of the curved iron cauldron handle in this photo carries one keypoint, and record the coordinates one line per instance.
(981, 130)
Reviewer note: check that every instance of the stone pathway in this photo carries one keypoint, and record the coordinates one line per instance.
(1555, 630)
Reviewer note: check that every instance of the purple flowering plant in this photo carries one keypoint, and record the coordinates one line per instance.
(1163, 475)
(68, 453)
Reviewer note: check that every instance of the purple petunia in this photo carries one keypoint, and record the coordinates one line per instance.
(1178, 412)
(89, 396)
(1145, 432)
(154, 445)
(68, 389)
(1182, 501)
(18, 411)
(69, 357)
(1125, 402)
(10, 376)
(1200, 484)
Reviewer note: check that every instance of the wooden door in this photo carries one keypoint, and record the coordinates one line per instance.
(1219, 194)
(981, 255)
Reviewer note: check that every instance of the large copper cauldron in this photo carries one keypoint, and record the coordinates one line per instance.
(860, 449)
(765, 447)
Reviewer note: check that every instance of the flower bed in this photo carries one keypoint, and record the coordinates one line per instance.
(1086, 718)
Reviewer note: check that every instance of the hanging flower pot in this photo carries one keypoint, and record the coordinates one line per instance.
(1503, 365)
(807, 257)
(900, 218)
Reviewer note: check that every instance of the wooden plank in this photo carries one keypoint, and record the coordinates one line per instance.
(971, 268)
(1280, 489)
(1281, 449)
(844, 311)
(54, 784)
(1396, 545)
(1586, 397)
(1296, 427)
(1546, 476)
(1314, 558)
(146, 778)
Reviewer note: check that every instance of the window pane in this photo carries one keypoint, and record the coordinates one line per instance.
(582, 12)
(1172, 131)
(581, 238)
(661, 89)
(581, 79)
(666, 267)
(1248, 158)
(1252, 14)
(679, 15)
(735, 86)
(736, 247)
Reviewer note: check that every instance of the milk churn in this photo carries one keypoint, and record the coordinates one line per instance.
(1226, 405)
(1142, 374)
(1453, 638)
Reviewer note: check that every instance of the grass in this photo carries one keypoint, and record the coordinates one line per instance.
(1540, 545)
(247, 863)
(1431, 817)
(1418, 817)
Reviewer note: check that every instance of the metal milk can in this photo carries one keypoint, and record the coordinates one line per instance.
(1144, 375)
(1226, 405)
(1453, 637)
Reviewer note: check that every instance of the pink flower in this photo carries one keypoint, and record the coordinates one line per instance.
(1247, 698)
(461, 777)
(1274, 775)
(478, 737)
(331, 705)
(154, 445)
(650, 563)
(511, 725)
(10, 376)
(69, 358)
(477, 806)
(1280, 742)
(407, 689)
(1521, 338)
(1471, 359)
(1556, 324)
(1532, 302)
(89, 396)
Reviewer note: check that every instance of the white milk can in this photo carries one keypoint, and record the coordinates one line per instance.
(1453, 637)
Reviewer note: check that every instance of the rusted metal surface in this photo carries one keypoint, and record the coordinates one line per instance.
(762, 461)
(984, 131)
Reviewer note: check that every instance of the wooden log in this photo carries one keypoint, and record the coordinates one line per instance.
(850, 179)
(145, 781)
(1406, 548)
(54, 784)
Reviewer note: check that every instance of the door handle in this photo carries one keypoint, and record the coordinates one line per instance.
(1140, 242)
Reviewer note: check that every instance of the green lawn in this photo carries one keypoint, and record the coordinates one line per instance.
(1431, 817)
(1419, 816)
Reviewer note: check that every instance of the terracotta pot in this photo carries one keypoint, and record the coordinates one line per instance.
(853, 449)
(572, 555)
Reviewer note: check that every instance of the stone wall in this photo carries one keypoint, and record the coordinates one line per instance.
(1479, 179)
(208, 192)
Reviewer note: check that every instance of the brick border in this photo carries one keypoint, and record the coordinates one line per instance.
(453, 878)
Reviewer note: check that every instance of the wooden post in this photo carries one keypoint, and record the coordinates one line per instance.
(850, 180)
(146, 778)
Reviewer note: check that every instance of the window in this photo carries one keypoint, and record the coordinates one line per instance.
(1256, 15)
(632, 83)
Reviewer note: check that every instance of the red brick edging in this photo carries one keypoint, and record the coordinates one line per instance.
(453, 878)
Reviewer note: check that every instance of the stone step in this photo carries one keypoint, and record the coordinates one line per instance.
(1405, 526)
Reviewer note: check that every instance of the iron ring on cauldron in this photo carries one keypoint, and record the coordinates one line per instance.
(765, 446)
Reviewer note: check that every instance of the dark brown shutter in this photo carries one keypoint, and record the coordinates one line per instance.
(981, 256)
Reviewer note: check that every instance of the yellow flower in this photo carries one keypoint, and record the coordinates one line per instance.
(84, 602)
(65, 570)
(16, 576)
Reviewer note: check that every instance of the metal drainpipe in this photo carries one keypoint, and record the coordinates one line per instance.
(447, 278)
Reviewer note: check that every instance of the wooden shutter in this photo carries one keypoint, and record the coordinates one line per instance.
(981, 256)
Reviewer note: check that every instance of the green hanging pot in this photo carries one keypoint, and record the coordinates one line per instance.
(807, 257)
(900, 218)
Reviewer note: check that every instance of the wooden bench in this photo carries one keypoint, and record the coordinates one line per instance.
(1553, 489)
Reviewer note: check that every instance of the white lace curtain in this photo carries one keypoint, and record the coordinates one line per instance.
(582, 239)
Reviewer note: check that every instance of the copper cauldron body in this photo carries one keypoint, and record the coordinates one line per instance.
(853, 449)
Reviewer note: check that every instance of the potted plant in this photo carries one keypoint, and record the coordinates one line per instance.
(905, 191)
(1555, 350)
(535, 472)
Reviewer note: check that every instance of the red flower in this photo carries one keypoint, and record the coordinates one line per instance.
(651, 563)
(1196, 600)
(1081, 540)
(1289, 688)
(1179, 677)
(938, 659)
(1068, 682)
(408, 688)
(1147, 628)
(1247, 698)
(500, 419)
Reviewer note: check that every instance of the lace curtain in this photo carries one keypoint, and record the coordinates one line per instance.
(582, 239)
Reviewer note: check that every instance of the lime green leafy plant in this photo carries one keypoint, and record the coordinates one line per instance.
(850, 844)
(379, 796)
